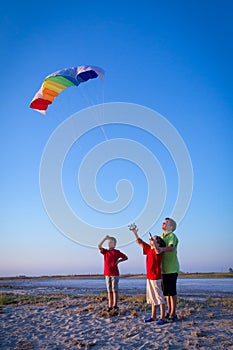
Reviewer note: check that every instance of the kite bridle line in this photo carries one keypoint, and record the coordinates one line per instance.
(89, 98)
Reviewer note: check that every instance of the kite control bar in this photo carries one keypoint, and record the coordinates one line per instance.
(133, 226)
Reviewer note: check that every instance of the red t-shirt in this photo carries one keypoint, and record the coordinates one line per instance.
(153, 262)
(110, 258)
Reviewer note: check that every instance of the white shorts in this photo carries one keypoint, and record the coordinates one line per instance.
(112, 283)
(154, 293)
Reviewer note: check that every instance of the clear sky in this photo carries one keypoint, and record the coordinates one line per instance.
(174, 57)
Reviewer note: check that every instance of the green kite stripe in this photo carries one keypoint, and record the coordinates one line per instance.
(61, 80)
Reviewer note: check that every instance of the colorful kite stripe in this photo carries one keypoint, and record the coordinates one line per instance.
(55, 83)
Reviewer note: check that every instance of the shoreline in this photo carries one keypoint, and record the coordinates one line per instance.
(97, 276)
(187, 288)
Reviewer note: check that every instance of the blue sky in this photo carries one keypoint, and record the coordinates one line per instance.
(173, 57)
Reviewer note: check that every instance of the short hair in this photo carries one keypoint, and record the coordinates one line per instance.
(172, 223)
(113, 239)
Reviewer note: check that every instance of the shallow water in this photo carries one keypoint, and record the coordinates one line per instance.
(202, 287)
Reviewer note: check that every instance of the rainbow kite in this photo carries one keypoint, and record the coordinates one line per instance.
(55, 83)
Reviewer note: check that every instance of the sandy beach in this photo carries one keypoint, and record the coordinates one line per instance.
(82, 322)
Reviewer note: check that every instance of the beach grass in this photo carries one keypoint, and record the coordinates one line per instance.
(22, 299)
(135, 302)
(226, 302)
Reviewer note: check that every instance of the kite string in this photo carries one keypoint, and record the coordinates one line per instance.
(102, 128)
(90, 101)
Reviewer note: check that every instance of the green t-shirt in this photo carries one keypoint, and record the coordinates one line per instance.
(170, 263)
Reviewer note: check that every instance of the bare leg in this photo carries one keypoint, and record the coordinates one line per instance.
(162, 311)
(153, 311)
(110, 299)
(168, 305)
(115, 298)
(173, 302)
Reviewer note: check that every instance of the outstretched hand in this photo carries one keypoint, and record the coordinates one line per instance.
(133, 227)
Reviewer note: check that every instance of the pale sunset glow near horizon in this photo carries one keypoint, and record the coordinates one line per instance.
(174, 58)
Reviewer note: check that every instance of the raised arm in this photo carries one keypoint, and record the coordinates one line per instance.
(102, 242)
(155, 246)
(134, 229)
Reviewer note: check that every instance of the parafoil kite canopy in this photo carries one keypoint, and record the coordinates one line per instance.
(55, 83)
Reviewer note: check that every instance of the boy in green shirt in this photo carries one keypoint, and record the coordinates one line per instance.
(170, 266)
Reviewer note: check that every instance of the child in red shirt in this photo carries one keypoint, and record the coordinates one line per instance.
(112, 257)
(154, 293)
